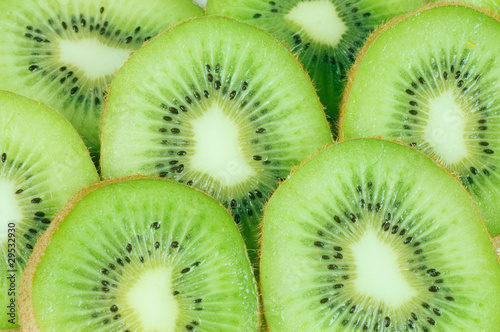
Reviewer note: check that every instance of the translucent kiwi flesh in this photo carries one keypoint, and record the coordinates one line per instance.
(325, 34)
(230, 111)
(356, 239)
(444, 104)
(134, 255)
(43, 162)
(65, 53)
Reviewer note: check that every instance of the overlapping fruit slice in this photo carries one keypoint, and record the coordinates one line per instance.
(371, 235)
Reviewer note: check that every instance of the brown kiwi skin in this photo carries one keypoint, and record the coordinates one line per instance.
(351, 74)
(27, 318)
(494, 241)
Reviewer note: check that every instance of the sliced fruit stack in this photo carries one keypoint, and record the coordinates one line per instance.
(224, 205)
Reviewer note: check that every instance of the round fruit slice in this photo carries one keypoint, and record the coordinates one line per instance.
(140, 255)
(43, 162)
(218, 105)
(360, 239)
(439, 95)
(325, 34)
(65, 53)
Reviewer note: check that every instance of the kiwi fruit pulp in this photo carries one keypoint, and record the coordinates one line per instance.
(325, 34)
(491, 5)
(65, 53)
(218, 105)
(134, 255)
(43, 162)
(358, 239)
(439, 95)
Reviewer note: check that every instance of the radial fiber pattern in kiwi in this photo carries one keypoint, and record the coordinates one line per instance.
(35, 60)
(195, 256)
(476, 95)
(42, 163)
(214, 67)
(312, 274)
(326, 62)
(445, 103)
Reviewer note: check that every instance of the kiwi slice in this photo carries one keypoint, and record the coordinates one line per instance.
(218, 105)
(65, 53)
(325, 34)
(43, 162)
(140, 255)
(359, 239)
(491, 5)
(439, 95)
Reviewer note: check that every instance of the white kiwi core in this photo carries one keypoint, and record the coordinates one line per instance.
(379, 272)
(445, 130)
(95, 59)
(218, 150)
(10, 211)
(150, 299)
(319, 20)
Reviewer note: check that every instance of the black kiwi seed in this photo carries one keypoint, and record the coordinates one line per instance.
(433, 289)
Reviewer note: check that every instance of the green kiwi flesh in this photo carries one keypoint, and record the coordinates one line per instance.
(491, 5)
(218, 105)
(439, 95)
(358, 239)
(43, 162)
(143, 255)
(325, 34)
(65, 53)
